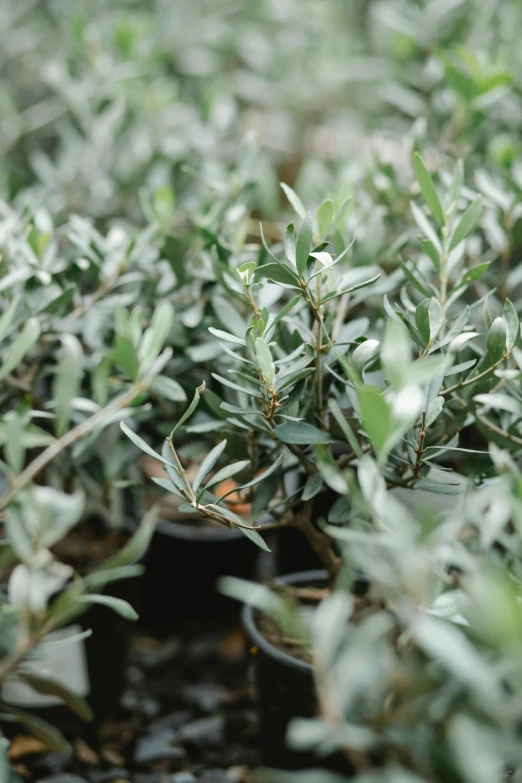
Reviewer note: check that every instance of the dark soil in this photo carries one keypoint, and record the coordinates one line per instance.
(88, 545)
(187, 717)
(294, 647)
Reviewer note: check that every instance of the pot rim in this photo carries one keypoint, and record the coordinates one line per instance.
(191, 532)
(248, 618)
(196, 532)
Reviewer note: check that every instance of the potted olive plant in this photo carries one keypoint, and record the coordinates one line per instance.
(44, 589)
(422, 682)
(311, 396)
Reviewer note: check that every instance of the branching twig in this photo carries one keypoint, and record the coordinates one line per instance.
(78, 432)
(479, 377)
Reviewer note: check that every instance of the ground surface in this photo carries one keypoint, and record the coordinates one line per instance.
(187, 717)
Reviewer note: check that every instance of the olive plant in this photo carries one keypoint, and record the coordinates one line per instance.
(313, 390)
(424, 685)
(377, 402)
(42, 593)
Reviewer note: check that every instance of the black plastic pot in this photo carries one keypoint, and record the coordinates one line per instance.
(105, 653)
(285, 690)
(183, 564)
(107, 647)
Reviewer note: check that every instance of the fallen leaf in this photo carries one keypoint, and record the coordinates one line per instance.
(23, 745)
(85, 753)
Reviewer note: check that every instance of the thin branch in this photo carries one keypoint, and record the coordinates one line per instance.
(78, 432)
(493, 427)
(479, 377)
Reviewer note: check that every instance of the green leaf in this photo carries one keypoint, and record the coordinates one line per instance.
(167, 388)
(208, 463)
(167, 485)
(376, 416)
(258, 479)
(265, 361)
(300, 433)
(496, 339)
(227, 472)
(411, 276)
(172, 470)
(325, 216)
(431, 251)
(140, 443)
(47, 685)
(396, 352)
(136, 546)
(20, 539)
(14, 441)
(118, 605)
(329, 470)
(458, 368)
(221, 335)
(422, 320)
(290, 243)
(425, 226)
(100, 380)
(363, 353)
(278, 273)
(39, 728)
(7, 317)
(348, 433)
(427, 187)
(349, 290)
(281, 314)
(26, 339)
(191, 408)
(155, 336)
(254, 536)
(126, 357)
(294, 200)
(434, 409)
(457, 182)
(235, 386)
(488, 320)
(467, 223)
(474, 273)
(304, 245)
(429, 319)
(512, 321)
(436, 318)
(313, 486)
(500, 402)
(67, 380)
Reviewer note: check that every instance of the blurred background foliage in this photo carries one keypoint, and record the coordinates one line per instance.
(101, 99)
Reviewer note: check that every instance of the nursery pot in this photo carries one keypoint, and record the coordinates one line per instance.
(94, 667)
(183, 564)
(285, 690)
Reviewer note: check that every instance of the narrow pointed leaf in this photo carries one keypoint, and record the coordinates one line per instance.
(294, 200)
(191, 408)
(208, 463)
(48, 686)
(24, 342)
(118, 605)
(467, 223)
(427, 187)
(301, 433)
(304, 245)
